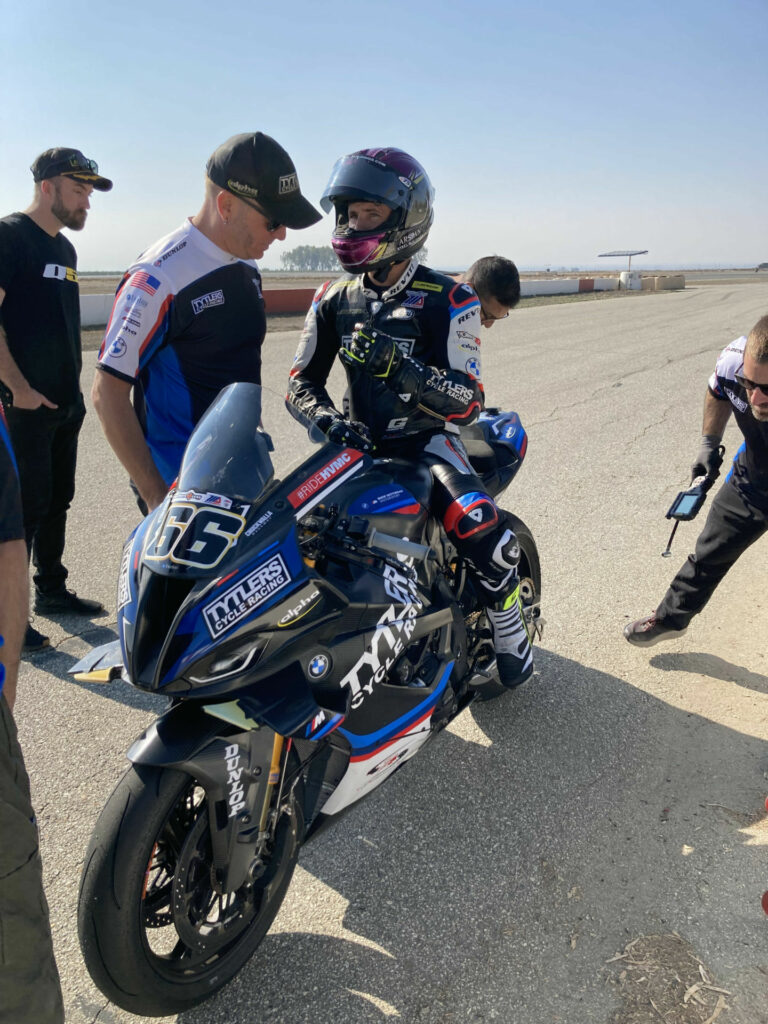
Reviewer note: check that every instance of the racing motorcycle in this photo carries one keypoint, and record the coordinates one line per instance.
(311, 634)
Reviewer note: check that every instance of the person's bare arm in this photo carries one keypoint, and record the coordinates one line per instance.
(716, 415)
(112, 401)
(14, 603)
(24, 396)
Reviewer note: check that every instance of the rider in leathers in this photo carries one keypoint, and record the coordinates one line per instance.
(408, 338)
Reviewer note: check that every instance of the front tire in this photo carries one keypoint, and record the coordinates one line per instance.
(155, 935)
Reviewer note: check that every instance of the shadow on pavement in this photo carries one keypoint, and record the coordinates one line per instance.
(711, 665)
(585, 813)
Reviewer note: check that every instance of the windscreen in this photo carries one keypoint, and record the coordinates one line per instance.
(227, 454)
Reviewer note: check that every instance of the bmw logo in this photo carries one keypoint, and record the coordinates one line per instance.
(117, 348)
(319, 666)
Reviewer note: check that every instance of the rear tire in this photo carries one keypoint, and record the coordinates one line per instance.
(156, 938)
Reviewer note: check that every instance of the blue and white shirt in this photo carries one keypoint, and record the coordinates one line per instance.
(751, 464)
(187, 320)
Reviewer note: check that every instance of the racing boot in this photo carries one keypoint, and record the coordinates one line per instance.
(514, 656)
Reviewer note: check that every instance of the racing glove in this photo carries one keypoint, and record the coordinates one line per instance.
(709, 460)
(350, 433)
(373, 352)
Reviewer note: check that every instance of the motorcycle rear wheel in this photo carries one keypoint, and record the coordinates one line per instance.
(156, 937)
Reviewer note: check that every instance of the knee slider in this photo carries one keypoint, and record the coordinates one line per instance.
(506, 554)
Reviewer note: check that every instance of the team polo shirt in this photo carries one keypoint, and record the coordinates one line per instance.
(750, 470)
(187, 320)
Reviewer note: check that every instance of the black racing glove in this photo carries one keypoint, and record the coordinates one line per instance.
(350, 433)
(373, 352)
(709, 460)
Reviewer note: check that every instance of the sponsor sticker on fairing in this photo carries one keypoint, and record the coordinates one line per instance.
(331, 473)
(245, 596)
(123, 584)
(204, 498)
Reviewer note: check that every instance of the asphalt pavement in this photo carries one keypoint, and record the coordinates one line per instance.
(619, 795)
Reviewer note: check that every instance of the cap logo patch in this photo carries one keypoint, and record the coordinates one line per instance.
(288, 183)
(241, 189)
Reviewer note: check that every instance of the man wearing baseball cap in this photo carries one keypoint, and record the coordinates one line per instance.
(40, 363)
(188, 316)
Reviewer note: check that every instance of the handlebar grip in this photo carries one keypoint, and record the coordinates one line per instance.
(399, 546)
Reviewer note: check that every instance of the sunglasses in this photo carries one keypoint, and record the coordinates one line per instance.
(72, 164)
(485, 316)
(272, 225)
(750, 385)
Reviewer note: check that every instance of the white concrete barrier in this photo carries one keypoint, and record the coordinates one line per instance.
(95, 309)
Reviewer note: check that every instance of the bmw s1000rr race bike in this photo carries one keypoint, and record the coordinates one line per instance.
(312, 633)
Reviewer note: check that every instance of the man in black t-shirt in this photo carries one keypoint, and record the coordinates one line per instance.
(40, 363)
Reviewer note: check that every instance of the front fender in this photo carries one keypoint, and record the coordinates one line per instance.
(237, 763)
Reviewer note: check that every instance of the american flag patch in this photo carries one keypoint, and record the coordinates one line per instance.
(141, 279)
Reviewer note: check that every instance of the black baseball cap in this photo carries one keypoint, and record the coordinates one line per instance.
(253, 167)
(72, 164)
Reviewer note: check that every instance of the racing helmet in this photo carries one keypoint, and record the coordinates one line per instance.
(387, 176)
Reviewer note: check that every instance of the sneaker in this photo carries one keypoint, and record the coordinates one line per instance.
(649, 631)
(66, 601)
(34, 640)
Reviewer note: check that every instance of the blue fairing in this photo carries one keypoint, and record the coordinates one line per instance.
(195, 621)
(372, 740)
(127, 584)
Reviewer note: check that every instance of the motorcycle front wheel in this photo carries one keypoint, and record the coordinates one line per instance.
(156, 935)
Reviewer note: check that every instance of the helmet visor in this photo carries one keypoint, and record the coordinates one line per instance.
(365, 178)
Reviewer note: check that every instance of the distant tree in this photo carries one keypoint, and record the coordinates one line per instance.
(310, 257)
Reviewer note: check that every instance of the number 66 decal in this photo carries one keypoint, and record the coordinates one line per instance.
(195, 535)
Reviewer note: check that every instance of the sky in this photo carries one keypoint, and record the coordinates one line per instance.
(551, 132)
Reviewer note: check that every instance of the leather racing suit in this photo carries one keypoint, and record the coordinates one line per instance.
(416, 414)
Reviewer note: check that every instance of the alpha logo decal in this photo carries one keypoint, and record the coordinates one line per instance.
(304, 607)
(244, 597)
(401, 313)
